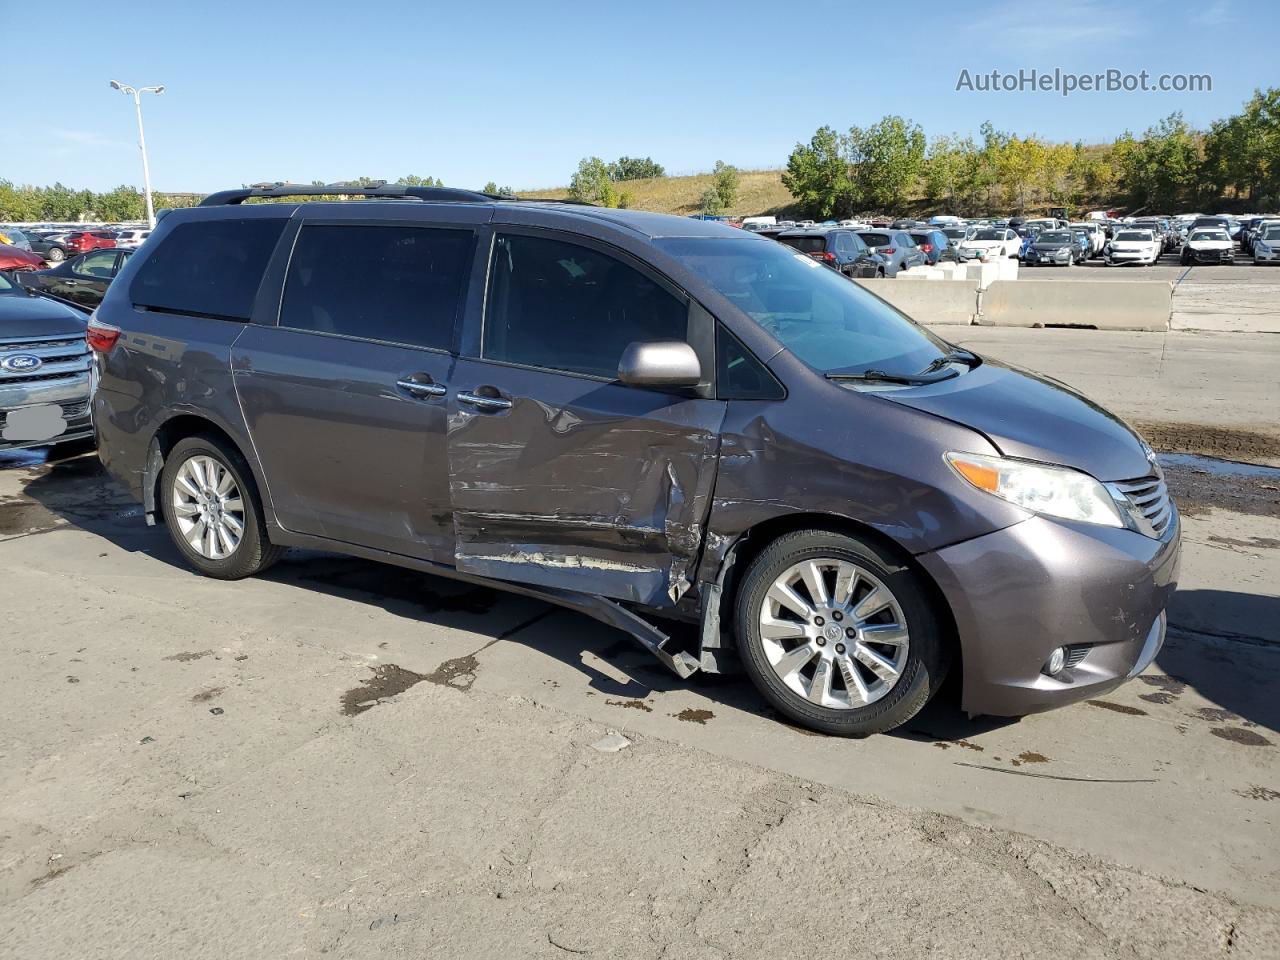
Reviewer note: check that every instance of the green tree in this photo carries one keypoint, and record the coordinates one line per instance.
(414, 181)
(885, 161)
(492, 187)
(591, 184)
(711, 204)
(817, 174)
(726, 183)
(635, 168)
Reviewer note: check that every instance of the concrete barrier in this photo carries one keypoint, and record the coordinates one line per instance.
(933, 303)
(1136, 305)
(984, 274)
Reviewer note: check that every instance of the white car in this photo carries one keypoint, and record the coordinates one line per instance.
(1266, 246)
(131, 239)
(1097, 236)
(990, 244)
(1208, 245)
(1133, 246)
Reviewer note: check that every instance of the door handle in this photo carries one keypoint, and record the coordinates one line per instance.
(482, 402)
(420, 389)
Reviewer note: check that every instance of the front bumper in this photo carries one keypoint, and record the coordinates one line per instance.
(71, 393)
(1270, 254)
(1019, 593)
(1210, 256)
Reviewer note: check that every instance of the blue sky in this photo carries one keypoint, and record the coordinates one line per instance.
(518, 92)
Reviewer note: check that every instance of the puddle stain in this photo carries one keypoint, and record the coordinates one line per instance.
(204, 696)
(1256, 792)
(694, 716)
(1216, 714)
(1253, 543)
(388, 680)
(630, 705)
(1117, 708)
(1029, 756)
(459, 673)
(1164, 698)
(188, 657)
(1246, 738)
(1167, 684)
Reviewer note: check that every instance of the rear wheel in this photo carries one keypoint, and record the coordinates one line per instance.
(212, 510)
(55, 255)
(837, 635)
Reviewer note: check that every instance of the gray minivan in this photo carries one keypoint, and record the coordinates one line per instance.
(643, 417)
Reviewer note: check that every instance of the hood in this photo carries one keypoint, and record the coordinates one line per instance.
(1209, 244)
(36, 317)
(980, 244)
(1053, 245)
(1030, 416)
(17, 257)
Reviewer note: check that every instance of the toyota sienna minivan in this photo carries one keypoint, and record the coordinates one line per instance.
(647, 418)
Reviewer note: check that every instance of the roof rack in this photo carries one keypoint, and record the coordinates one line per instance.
(377, 189)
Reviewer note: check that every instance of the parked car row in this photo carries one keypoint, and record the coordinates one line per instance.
(56, 243)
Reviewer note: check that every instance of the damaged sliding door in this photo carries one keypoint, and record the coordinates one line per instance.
(561, 476)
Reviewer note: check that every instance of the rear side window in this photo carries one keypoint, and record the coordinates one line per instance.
(398, 284)
(567, 307)
(876, 239)
(207, 268)
(806, 244)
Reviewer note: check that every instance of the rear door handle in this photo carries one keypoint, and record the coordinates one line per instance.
(422, 388)
(482, 402)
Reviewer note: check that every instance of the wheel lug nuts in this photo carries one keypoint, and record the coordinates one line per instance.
(819, 621)
(837, 615)
(839, 648)
(822, 641)
(850, 632)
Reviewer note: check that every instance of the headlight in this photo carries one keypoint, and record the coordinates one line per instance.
(1039, 487)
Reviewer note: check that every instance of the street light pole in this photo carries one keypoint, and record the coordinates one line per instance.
(136, 93)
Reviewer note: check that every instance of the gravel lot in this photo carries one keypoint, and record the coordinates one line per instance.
(351, 759)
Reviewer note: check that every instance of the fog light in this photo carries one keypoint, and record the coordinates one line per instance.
(1057, 660)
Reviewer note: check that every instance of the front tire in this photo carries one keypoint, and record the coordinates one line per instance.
(838, 635)
(56, 255)
(212, 510)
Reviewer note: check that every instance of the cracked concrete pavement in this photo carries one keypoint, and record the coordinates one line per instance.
(356, 760)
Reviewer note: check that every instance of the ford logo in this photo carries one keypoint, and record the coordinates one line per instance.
(20, 363)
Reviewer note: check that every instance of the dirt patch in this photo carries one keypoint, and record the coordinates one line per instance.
(1117, 708)
(1170, 688)
(459, 673)
(1253, 543)
(965, 744)
(188, 657)
(1216, 714)
(1258, 793)
(388, 680)
(204, 696)
(1197, 492)
(1210, 441)
(1029, 756)
(631, 705)
(1240, 735)
(694, 716)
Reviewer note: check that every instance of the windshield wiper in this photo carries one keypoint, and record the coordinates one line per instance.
(880, 376)
(955, 356)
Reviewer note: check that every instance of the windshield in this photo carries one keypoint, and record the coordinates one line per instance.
(955, 233)
(1272, 233)
(1133, 235)
(831, 324)
(1210, 235)
(1054, 236)
(989, 235)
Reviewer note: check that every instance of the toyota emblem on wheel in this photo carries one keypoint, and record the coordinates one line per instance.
(20, 363)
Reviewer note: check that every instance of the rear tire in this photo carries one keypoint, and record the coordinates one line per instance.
(216, 523)
(56, 255)
(867, 685)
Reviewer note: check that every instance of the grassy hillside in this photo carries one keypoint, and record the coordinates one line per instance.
(760, 192)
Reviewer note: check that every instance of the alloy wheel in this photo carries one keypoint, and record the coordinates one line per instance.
(208, 507)
(834, 633)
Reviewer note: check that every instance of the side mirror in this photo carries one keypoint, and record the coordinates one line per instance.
(660, 363)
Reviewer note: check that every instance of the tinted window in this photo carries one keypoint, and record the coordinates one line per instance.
(876, 239)
(806, 244)
(399, 284)
(566, 307)
(210, 267)
(739, 375)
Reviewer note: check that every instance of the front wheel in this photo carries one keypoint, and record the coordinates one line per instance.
(212, 511)
(838, 635)
(55, 255)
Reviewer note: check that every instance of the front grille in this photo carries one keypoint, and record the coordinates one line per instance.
(1076, 653)
(61, 358)
(1149, 503)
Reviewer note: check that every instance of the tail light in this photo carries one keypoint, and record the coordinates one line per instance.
(927, 247)
(101, 336)
(888, 251)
